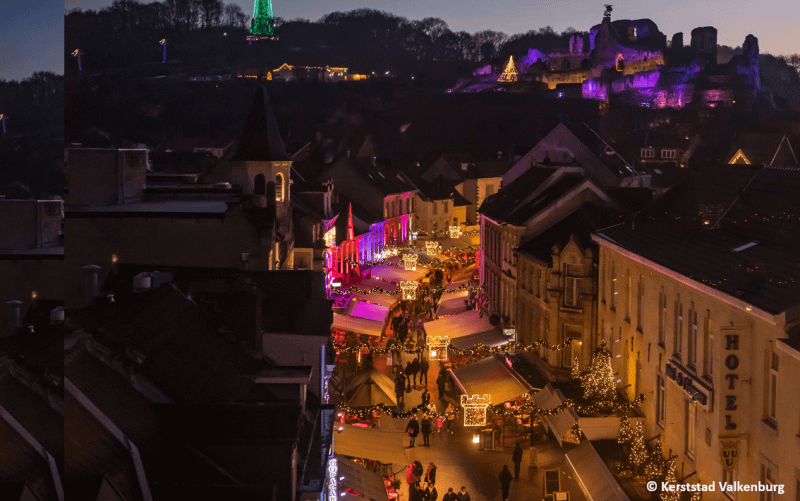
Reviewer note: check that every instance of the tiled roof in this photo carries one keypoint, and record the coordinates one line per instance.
(581, 224)
(743, 206)
(500, 205)
(184, 354)
(442, 189)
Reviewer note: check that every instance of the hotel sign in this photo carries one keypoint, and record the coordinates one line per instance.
(691, 385)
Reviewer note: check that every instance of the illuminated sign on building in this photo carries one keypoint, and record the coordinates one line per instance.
(455, 231)
(437, 347)
(333, 471)
(692, 386)
(409, 290)
(475, 409)
(431, 248)
(410, 261)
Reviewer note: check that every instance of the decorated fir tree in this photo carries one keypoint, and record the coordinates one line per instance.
(598, 381)
(576, 370)
(625, 434)
(670, 478)
(510, 72)
(638, 454)
(655, 466)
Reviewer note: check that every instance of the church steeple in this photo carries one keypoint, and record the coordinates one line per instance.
(261, 140)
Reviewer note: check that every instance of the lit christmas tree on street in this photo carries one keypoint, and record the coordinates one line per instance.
(510, 72)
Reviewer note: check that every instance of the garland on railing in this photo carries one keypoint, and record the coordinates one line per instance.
(476, 349)
(423, 292)
(424, 233)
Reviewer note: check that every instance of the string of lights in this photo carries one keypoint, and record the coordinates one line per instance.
(475, 350)
(423, 292)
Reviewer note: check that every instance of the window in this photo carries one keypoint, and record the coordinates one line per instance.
(773, 387)
(435, 211)
(628, 296)
(661, 400)
(455, 221)
(667, 153)
(571, 290)
(729, 477)
(648, 153)
(279, 193)
(434, 225)
(690, 427)
(768, 479)
(539, 283)
(613, 286)
(677, 341)
(570, 332)
(639, 301)
(708, 347)
(662, 317)
(446, 206)
(692, 338)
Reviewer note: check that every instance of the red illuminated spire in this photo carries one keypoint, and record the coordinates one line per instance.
(350, 233)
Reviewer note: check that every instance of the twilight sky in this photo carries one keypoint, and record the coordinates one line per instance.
(31, 32)
(31, 37)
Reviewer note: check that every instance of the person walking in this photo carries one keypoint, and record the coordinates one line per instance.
(449, 495)
(400, 388)
(430, 474)
(409, 371)
(451, 417)
(430, 493)
(423, 371)
(463, 495)
(413, 429)
(413, 370)
(426, 430)
(516, 456)
(441, 383)
(426, 396)
(505, 481)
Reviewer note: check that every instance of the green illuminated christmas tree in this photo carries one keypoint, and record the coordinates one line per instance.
(263, 20)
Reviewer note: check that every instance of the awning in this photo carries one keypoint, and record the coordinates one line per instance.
(597, 483)
(452, 303)
(369, 443)
(398, 274)
(466, 329)
(369, 311)
(357, 325)
(491, 375)
(377, 297)
(370, 388)
(560, 424)
(360, 479)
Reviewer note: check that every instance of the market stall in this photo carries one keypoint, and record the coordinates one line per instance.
(466, 329)
(358, 325)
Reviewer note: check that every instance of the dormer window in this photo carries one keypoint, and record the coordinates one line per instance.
(648, 153)
(670, 154)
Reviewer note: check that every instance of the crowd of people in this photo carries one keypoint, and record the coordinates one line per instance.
(423, 488)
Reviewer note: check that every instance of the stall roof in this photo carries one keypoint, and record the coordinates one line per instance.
(371, 388)
(466, 329)
(369, 311)
(561, 423)
(452, 303)
(360, 479)
(377, 297)
(369, 443)
(491, 375)
(596, 481)
(397, 274)
(357, 325)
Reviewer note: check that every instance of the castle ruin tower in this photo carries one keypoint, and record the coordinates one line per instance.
(704, 40)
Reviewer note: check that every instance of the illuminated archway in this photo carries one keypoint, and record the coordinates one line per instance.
(279, 187)
(620, 62)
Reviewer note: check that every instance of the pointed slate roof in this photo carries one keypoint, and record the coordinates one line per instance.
(261, 139)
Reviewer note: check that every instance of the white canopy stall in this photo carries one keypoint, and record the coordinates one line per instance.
(466, 329)
(357, 325)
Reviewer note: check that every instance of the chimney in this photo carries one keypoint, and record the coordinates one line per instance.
(91, 282)
(57, 315)
(142, 282)
(13, 316)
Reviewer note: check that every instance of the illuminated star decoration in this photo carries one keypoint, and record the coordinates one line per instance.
(410, 261)
(475, 409)
(409, 290)
(431, 247)
(455, 231)
(437, 347)
(78, 53)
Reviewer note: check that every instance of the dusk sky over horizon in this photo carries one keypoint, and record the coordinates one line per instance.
(31, 33)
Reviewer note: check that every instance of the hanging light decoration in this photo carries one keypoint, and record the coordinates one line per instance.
(431, 247)
(409, 290)
(455, 231)
(475, 409)
(410, 261)
(437, 347)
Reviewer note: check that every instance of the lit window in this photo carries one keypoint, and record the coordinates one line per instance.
(773, 387)
(648, 153)
(677, 341)
(691, 414)
(661, 400)
(667, 153)
(768, 474)
(692, 337)
(662, 318)
(729, 477)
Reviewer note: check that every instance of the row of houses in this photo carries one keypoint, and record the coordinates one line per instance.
(689, 277)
